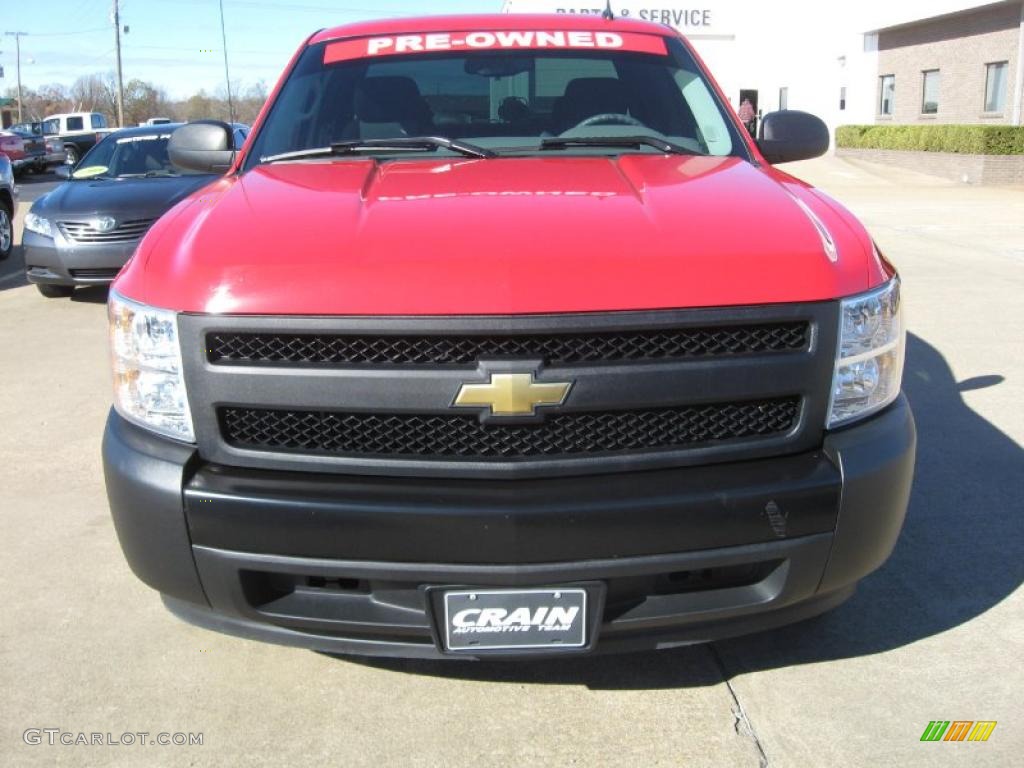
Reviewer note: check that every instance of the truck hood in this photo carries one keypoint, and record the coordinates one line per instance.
(113, 197)
(503, 236)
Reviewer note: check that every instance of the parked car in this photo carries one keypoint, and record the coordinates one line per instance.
(83, 232)
(8, 204)
(12, 146)
(79, 132)
(502, 337)
(156, 121)
(55, 153)
(35, 145)
(53, 145)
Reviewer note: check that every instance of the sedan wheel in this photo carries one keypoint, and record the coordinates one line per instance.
(6, 232)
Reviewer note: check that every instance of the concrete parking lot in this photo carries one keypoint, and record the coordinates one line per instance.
(937, 633)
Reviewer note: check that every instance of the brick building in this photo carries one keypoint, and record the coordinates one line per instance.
(963, 67)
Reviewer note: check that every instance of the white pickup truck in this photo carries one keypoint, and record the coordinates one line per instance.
(79, 132)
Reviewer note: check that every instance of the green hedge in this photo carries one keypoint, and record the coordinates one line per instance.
(961, 139)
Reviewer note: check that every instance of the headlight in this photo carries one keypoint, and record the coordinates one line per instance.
(37, 224)
(148, 385)
(869, 360)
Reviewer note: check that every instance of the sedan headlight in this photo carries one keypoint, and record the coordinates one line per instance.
(39, 225)
(149, 389)
(869, 359)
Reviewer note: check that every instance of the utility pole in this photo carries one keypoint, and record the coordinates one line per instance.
(227, 74)
(120, 81)
(17, 47)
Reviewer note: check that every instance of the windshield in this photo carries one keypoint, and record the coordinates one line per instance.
(508, 100)
(27, 129)
(128, 156)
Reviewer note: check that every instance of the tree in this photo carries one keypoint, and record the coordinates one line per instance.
(50, 99)
(95, 93)
(251, 102)
(37, 104)
(199, 106)
(143, 101)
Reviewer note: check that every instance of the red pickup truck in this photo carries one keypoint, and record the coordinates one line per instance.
(501, 337)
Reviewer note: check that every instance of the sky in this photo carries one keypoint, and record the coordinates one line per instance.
(176, 44)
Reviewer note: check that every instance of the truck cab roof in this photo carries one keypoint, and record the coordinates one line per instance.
(497, 21)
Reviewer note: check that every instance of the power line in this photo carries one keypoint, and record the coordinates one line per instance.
(376, 12)
(129, 47)
(71, 32)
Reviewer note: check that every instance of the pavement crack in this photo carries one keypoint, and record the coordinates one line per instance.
(741, 723)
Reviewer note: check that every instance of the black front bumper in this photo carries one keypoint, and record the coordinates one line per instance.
(343, 564)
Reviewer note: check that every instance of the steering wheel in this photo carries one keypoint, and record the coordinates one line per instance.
(607, 118)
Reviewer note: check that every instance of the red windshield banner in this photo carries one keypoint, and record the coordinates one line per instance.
(532, 40)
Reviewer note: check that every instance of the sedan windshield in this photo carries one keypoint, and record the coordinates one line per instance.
(128, 156)
(649, 98)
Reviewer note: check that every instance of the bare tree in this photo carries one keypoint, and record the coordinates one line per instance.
(50, 99)
(251, 101)
(37, 104)
(95, 93)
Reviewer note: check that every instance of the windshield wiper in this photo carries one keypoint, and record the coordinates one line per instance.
(149, 175)
(412, 143)
(398, 144)
(563, 142)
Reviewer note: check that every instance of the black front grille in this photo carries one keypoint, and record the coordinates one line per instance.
(464, 436)
(99, 273)
(563, 348)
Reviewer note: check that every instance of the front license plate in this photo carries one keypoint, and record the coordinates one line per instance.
(478, 620)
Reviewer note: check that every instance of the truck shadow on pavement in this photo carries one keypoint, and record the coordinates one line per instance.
(961, 552)
(12, 270)
(12, 275)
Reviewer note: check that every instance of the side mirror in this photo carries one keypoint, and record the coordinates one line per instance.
(62, 172)
(791, 135)
(205, 146)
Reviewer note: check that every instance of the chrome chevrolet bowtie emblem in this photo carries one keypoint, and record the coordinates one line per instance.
(103, 224)
(512, 394)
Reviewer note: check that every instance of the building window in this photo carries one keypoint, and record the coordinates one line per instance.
(995, 86)
(783, 98)
(842, 98)
(887, 94)
(930, 92)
